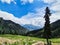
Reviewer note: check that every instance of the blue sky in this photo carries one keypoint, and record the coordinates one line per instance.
(29, 11)
(19, 9)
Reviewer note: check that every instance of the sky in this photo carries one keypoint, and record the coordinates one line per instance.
(29, 11)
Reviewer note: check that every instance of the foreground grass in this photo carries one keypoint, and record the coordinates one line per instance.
(22, 40)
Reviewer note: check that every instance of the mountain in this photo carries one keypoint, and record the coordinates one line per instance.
(31, 27)
(9, 27)
(55, 29)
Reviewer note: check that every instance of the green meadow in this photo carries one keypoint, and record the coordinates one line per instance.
(8, 39)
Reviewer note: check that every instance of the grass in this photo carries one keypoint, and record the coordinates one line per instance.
(18, 39)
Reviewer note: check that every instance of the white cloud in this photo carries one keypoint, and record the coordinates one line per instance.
(36, 21)
(37, 18)
(8, 16)
(55, 17)
(26, 1)
(49, 1)
(34, 18)
(56, 6)
(8, 1)
(28, 19)
(31, 1)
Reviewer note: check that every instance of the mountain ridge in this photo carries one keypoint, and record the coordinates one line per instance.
(31, 27)
(10, 27)
(55, 30)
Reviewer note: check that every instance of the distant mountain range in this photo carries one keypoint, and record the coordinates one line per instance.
(31, 27)
(9, 27)
(55, 29)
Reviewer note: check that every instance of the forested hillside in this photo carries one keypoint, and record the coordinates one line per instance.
(55, 29)
(9, 27)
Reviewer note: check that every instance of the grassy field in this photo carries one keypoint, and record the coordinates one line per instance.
(8, 39)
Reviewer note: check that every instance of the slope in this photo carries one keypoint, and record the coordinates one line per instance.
(9, 27)
(55, 29)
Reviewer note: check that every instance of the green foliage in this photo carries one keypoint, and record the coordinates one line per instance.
(9, 27)
(23, 40)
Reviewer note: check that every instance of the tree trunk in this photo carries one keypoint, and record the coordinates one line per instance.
(47, 41)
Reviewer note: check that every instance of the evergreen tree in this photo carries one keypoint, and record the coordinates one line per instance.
(47, 29)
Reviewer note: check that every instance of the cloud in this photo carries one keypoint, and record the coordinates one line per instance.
(26, 1)
(9, 16)
(8, 1)
(49, 1)
(28, 19)
(54, 17)
(56, 6)
(35, 19)
(31, 18)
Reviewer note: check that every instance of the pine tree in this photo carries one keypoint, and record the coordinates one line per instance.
(47, 29)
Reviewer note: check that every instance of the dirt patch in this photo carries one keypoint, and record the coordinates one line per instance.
(38, 43)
